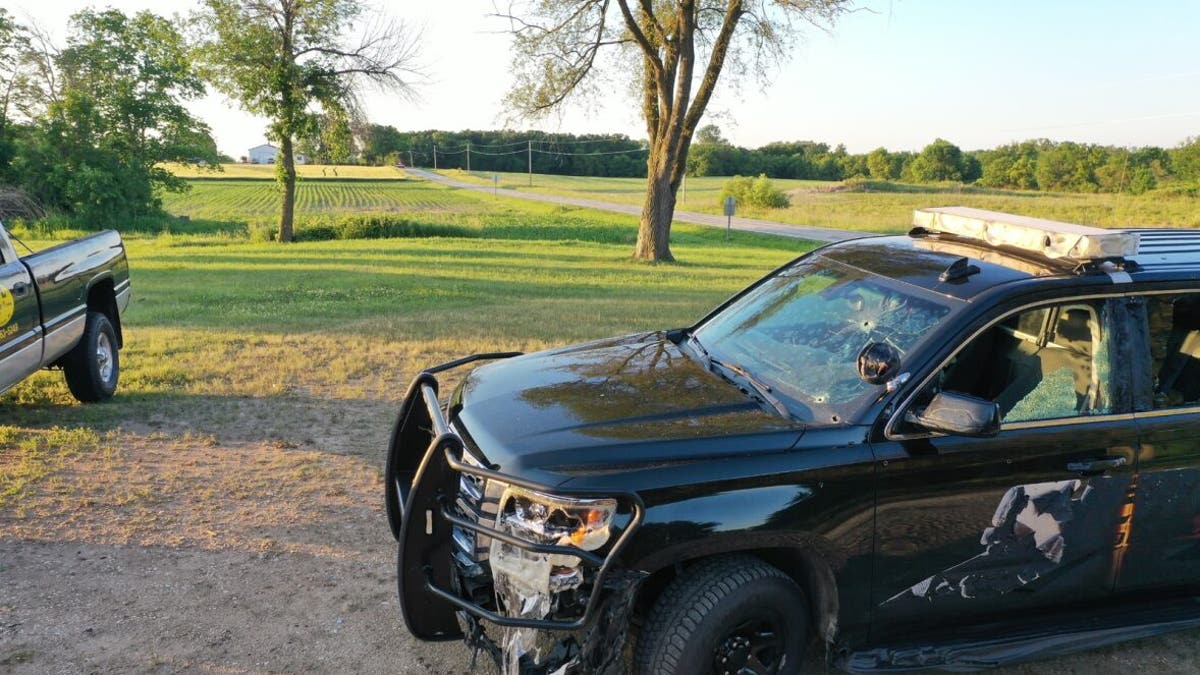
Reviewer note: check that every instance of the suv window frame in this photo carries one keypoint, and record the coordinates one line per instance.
(1146, 381)
(906, 400)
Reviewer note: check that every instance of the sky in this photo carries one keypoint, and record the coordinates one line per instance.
(894, 73)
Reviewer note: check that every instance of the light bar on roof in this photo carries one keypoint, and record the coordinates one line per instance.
(1038, 235)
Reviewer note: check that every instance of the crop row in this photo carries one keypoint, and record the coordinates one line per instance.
(218, 199)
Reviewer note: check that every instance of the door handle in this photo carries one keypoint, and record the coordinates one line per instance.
(1097, 465)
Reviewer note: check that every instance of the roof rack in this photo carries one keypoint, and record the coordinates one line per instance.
(1050, 238)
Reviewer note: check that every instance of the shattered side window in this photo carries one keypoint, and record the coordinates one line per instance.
(1043, 363)
(1175, 349)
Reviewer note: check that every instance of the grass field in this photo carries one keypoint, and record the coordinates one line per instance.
(237, 471)
(267, 171)
(234, 200)
(821, 204)
(258, 200)
(701, 192)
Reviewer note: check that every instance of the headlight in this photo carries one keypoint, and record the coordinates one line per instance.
(525, 580)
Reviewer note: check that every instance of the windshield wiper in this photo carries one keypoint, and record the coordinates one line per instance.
(700, 350)
(762, 389)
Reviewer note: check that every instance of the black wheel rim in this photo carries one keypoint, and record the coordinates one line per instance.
(753, 647)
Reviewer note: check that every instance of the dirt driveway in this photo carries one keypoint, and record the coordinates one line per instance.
(159, 547)
(238, 535)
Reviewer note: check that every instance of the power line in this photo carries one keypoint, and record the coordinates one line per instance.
(560, 153)
(476, 151)
(591, 154)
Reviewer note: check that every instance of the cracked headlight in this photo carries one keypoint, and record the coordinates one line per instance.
(525, 580)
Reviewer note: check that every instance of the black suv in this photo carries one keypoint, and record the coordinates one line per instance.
(969, 446)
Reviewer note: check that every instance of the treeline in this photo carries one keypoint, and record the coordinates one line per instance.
(1029, 165)
(1061, 166)
(565, 154)
(84, 126)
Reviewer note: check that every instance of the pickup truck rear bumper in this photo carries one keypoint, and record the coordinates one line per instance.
(444, 596)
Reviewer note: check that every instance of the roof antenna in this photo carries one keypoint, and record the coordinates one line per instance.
(959, 271)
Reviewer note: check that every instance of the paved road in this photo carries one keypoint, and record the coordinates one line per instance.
(742, 224)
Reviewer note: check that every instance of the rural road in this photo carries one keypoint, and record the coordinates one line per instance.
(808, 232)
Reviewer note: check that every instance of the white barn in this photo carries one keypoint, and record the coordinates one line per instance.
(265, 154)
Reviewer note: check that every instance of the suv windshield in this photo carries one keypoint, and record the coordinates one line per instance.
(800, 333)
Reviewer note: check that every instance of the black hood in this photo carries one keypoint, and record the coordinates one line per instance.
(611, 404)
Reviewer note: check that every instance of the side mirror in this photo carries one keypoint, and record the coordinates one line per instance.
(959, 414)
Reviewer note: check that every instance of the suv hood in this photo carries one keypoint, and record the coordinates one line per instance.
(611, 404)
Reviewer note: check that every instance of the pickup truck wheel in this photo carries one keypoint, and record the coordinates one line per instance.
(731, 614)
(93, 367)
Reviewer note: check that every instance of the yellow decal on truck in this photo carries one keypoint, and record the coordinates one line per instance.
(6, 305)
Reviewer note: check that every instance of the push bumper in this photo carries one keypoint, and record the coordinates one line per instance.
(424, 469)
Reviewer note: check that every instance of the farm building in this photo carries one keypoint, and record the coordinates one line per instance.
(265, 154)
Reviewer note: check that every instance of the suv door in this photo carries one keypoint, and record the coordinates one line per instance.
(1164, 547)
(20, 323)
(969, 529)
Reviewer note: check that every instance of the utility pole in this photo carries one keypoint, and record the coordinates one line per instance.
(530, 142)
(468, 156)
(435, 156)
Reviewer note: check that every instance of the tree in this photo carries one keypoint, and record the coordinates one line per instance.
(710, 134)
(292, 60)
(1185, 160)
(330, 140)
(1011, 166)
(879, 164)
(113, 111)
(939, 161)
(382, 144)
(1070, 167)
(677, 51)
(14, 49)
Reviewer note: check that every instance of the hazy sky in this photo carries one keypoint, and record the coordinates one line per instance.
(898, 73)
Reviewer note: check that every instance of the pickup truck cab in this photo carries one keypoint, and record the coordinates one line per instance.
(62, 307)
(970, 446)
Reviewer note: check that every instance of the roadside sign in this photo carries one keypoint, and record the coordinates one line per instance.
(495, 184)
(730, 208)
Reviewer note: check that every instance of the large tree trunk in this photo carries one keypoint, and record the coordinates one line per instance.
(658, 210)
(287, 213)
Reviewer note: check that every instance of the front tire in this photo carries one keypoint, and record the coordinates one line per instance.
(731, 614)
(93, 367)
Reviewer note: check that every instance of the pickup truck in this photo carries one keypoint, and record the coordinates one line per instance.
(968, 446)
(61, 308)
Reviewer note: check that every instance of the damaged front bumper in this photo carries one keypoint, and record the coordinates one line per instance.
(441, 513)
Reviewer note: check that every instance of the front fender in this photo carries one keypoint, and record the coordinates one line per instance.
(790, 526)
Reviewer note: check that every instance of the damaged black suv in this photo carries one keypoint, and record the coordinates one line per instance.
(972, 445)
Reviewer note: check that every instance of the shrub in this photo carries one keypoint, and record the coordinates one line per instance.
(758, 192)
(263, 232)
(365, 226)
